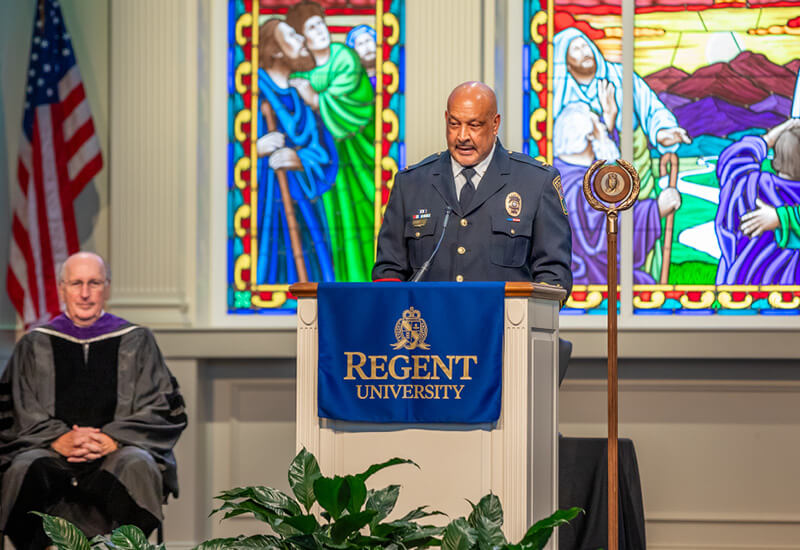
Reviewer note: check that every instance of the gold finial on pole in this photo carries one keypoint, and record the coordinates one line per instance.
(611, 189)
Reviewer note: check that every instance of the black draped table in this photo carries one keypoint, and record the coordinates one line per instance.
(583, 481)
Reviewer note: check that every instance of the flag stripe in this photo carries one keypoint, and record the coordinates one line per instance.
(63, 192)
(87, 173)
(21, 248)
(46, 267)
(77, 118)
(68, 82)
(87, 151)
(83, 135)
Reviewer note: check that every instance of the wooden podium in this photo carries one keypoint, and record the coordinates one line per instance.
(515, 458)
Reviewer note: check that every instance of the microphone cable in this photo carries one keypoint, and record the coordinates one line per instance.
(427, 264)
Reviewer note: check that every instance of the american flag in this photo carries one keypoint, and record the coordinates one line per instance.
(59, 154)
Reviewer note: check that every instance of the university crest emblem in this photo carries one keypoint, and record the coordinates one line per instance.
(411, 331)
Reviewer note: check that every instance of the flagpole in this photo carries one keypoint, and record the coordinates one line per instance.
(611, 189)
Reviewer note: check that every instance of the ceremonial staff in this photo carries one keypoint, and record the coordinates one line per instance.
(612, 189)
(671, 160)
(288, 206)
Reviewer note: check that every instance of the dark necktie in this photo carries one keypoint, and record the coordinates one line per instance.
(468, 191)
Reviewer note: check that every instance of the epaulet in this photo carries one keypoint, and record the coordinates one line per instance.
(522, 157)
(423, 162)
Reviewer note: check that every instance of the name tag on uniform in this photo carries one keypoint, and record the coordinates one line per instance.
(420, 218)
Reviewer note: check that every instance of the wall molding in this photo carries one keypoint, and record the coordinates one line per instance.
(692, 546)
(701, 386)
(723, 518)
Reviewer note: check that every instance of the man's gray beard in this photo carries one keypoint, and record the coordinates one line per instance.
(368, 64)
(301, 64)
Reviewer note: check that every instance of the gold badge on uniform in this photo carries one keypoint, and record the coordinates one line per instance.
(513, 204)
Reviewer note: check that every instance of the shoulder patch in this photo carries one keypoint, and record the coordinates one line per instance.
(560, 191)
(423, 162)
(521, 157)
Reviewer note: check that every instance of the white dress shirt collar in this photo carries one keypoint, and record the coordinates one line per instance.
(480, 169)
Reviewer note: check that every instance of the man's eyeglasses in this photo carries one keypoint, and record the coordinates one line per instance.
(77, 285)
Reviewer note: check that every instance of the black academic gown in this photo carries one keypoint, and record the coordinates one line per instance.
(148, 413)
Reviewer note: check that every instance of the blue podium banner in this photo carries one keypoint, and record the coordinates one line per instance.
(410, 352)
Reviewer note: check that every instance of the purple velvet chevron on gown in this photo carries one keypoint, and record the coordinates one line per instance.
(589, 241)
(105, 324)
(758, 260)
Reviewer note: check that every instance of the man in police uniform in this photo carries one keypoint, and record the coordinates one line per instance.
(507, 218)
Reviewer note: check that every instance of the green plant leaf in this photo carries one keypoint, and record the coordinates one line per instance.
(487, 520)
(368, 541)
(421, 512)
(233, 509)
(332, 494)
(386, 530)
(541, 531)
(490, 534)
(363, 476)
(273, 499)
(129, 537)
(559, 517)
(303, 471)
(488, 507)
(422, 537)
(307, 542)
(349, 524)
(458, 535)
(100, 542)
(277, 501)
(537, 540)
(382, 501)
(306, 524)
(217, 544)
(358, 493)
(63, 534)
(255, 541)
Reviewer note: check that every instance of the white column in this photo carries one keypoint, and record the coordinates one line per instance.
(153, 154)
(444, 47)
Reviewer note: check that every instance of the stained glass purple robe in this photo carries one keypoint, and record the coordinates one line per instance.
(589, 241)
(757, 260)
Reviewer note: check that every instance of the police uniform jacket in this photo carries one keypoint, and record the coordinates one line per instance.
(514, 229)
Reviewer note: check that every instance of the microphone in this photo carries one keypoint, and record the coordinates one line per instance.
(427, 264)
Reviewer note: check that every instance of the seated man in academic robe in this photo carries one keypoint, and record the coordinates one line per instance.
(758, 222)
(89, 414)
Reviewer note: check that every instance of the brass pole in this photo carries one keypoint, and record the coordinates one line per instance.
(618, 186)
(613, 455)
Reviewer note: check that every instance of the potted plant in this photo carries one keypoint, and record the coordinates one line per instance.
(351, 517)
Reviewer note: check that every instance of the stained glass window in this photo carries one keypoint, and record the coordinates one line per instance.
(716, 142)
(315, 136)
